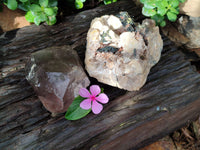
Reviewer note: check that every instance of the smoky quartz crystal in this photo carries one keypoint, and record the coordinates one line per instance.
(56, 75)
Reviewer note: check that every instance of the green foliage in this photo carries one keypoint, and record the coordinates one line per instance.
(12, 4)
(79, 3)
(38, 11)
(74, 111)
(106, 2)
(159, 10)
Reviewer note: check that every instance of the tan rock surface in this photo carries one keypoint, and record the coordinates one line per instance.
(190, 28)
(119, 55)
(190, 8)
(10, 19)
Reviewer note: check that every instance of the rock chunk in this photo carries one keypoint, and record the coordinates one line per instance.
(190, 8)
(56, 76)
(120, 52)
(190, 28)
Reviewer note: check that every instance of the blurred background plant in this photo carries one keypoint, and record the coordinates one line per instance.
(160, 10)
(38, 11)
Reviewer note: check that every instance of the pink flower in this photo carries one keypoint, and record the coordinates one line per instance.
(93, 99)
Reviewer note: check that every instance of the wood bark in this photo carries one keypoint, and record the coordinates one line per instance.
(169, 99)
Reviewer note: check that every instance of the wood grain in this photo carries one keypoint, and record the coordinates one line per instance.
(169, 99)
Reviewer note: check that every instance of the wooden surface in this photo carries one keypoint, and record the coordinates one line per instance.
(169, 99)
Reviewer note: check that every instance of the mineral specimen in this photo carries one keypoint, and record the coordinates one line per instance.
(120, 52)
(190, 28)
(190, 8)
(56, 76)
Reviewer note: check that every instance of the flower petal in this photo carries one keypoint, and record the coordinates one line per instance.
(85, 104)
(95, 90)
(96, 107)
(103, 98)
(83, 92)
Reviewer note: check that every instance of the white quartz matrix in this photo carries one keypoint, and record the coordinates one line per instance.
(136, 51)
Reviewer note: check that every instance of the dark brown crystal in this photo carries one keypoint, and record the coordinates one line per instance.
(56, 76)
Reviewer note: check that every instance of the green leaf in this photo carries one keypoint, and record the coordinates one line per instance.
(42, 16)
(55, 9)
(150, 4)
(102, 89)
(161, 11)
(171, 16)
(12, 4)
(74, 111)
(53, 3)
(182, 1)
(29, 16)
(23, 6)
(158, 18)
(51, 20)
(23, 1)
(163, 3)
(148, 12)
(44, 3)
(49, 11)
(174, 3)
(78, 4)
(37, 20)
(106, 2)
(173, 10)
(35, 8)
(163, 23)
(142, 1)
(33, 1)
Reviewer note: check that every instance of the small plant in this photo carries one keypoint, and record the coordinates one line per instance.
(106, 2)
(159, 10)
(37, 10)
(79, 3)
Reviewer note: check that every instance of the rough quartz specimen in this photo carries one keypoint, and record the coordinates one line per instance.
(56, 75)
(120, 52)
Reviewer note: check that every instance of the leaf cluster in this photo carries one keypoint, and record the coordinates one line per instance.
(37, 10)
(159, 10)
(42, 10)
(79, 3)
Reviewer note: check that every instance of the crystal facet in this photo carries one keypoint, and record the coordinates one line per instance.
(56, 76)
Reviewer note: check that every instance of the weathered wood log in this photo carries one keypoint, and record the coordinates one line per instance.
(169, 99)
